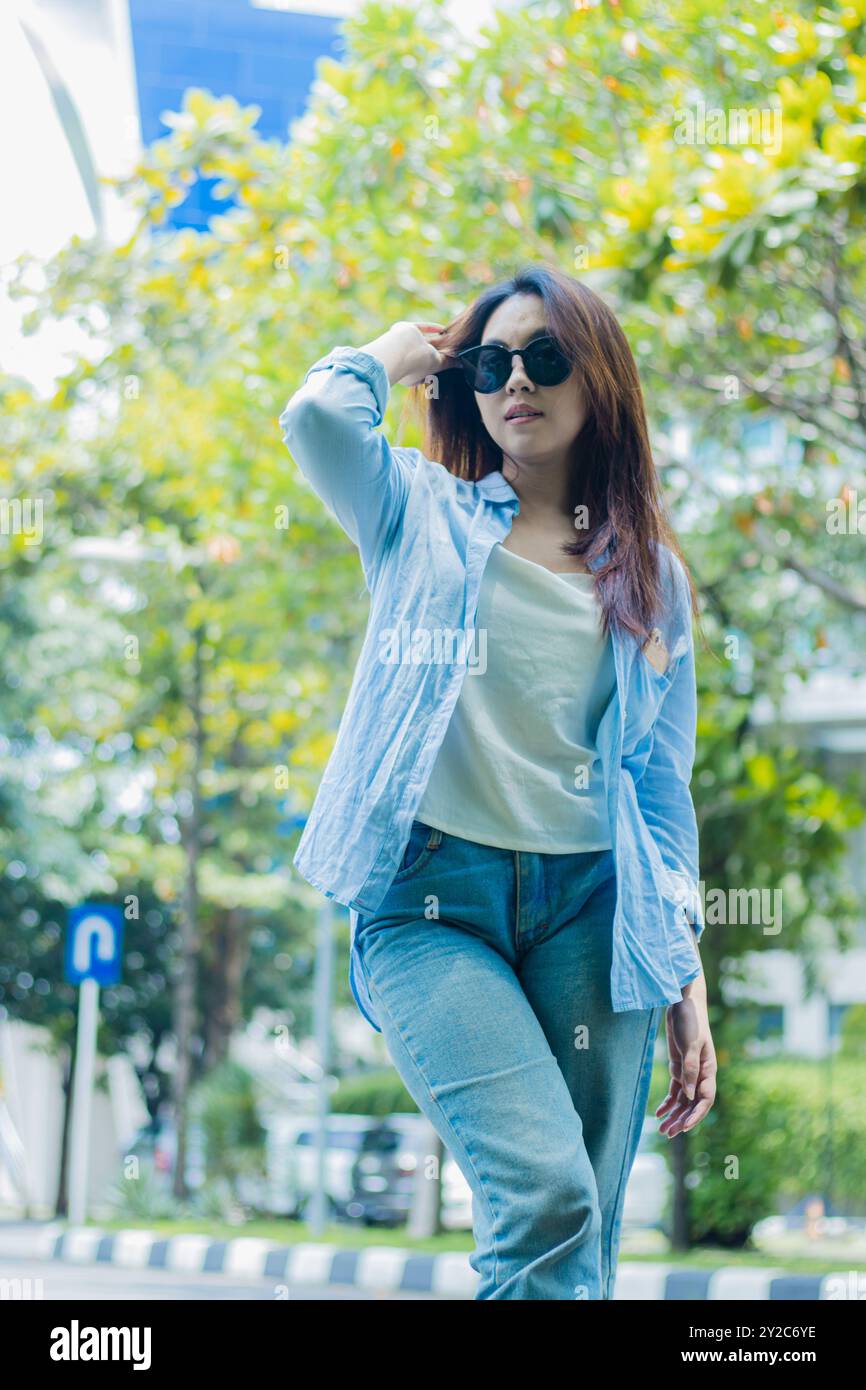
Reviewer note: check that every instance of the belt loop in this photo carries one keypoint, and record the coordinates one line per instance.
(435, 838)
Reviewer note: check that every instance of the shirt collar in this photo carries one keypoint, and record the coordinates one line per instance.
(497, 487)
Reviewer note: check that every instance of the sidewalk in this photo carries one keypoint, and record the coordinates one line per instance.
(387, 1269)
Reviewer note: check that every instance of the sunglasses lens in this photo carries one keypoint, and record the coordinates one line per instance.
(488, 368)
(546, 365)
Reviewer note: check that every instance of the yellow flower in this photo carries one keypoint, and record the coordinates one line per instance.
(857, 66)
(805, 98)
(843, 144)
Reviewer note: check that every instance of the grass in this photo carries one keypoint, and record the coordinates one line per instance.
(707, 1257)
(350, 1237)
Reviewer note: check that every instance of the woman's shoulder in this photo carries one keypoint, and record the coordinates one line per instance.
(675, 608)
(672, 575)
(439, 479)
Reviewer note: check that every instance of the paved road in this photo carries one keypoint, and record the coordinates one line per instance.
(97, 1282)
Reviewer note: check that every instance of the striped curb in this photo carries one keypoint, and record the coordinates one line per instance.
(387, 1269)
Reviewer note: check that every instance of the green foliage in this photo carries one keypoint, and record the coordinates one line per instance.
(779, 1131)
(167, 710)
(372, 1093)
(737, 1159)
(145, 1198)
(224, 1104)
(852, 1041)
(216, 1201)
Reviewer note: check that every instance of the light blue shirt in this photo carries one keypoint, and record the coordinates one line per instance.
(424, 537)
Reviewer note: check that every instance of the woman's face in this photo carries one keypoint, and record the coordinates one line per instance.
(546, 438)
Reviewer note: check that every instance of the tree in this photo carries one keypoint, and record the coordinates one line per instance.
(425, 168)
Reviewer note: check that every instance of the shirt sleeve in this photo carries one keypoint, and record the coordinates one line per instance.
(663, 790)
(330, 428)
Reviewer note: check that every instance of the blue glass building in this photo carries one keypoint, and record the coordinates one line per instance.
(255, 53)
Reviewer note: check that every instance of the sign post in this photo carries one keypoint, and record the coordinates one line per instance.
(319, 1211)
(93, 946)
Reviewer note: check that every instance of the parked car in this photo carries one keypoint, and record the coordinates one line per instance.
(156, 1149)
(292, 1161)
(384, 1177)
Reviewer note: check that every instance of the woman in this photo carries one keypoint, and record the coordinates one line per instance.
(506, 810)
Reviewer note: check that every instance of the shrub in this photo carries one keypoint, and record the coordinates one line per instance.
(224, 1104)
(779, 1131)
(373, 1093)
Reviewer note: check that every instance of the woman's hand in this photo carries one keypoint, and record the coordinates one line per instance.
(692, 1061)
(409, 352)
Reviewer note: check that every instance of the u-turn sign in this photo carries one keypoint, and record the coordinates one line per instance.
(94, 940)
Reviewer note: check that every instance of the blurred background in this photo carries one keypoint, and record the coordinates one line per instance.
(201, 200)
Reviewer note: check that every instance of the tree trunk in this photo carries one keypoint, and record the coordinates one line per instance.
(186, 980)
(226, 1013)
(680, 1212)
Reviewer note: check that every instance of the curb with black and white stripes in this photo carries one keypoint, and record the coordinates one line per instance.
(386, 1269)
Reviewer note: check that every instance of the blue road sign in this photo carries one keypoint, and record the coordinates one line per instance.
(94, 939)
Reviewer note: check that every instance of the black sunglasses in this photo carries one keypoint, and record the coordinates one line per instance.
(487, 366)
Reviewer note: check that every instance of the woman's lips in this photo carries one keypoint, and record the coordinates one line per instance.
(522, 419)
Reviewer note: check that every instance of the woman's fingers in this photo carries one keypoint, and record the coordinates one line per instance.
(687, 1117)
(673, 1106)
(699, 1110)
(677, 1112)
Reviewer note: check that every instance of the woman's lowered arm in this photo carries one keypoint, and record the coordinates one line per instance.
(663, 790)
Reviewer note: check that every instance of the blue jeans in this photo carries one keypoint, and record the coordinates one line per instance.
(490, 973)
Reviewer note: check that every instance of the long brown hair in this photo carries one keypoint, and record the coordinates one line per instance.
(613, 473)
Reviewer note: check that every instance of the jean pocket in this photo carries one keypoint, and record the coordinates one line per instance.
(423, 841)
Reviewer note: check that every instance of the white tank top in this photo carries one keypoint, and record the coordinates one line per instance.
(518, 766)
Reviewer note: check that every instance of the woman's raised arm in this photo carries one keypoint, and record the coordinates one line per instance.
(330, 427)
